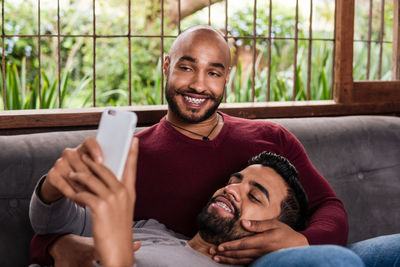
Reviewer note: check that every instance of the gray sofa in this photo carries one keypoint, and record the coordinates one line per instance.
(358, 155)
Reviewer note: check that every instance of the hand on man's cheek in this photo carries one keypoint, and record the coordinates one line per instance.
(271, 236)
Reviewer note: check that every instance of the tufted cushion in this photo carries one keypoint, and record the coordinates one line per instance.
(360, 158)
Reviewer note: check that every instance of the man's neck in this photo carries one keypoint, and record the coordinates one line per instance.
(213, 123)
(199, 244)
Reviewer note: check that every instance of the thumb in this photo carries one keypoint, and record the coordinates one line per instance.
(129, 174)
(259, 226)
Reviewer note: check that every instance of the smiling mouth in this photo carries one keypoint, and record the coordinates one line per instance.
(194, 100)
(224, 204)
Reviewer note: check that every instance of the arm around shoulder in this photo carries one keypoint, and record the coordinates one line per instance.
(328, 223)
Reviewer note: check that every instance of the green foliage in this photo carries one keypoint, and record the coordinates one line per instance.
(21, 94)
(282, 62)
(112, 67)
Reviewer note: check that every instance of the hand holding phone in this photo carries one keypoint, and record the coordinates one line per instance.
(114, 135)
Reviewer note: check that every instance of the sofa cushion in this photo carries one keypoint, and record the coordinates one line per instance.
(360, 158)
(358, 155)
(23, 160)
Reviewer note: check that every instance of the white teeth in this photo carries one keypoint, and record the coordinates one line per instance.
(224, 206)
(194, 100)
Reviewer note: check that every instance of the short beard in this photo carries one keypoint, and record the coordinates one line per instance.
(170, 94)
(215, 229)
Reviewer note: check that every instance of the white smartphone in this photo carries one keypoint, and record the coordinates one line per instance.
(114, 135)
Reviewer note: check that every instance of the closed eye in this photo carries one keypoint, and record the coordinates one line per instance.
(253, 198)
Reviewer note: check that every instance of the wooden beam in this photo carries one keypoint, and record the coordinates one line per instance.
(396, 41)
(30, 121)
(73, 117)
(376, 91)
(344, 51)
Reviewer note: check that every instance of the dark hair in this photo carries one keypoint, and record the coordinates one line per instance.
(294, 206)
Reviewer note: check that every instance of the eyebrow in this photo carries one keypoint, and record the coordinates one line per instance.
(191, 59)
(253, 183)
(237, 175)
(187, 58)
(261, 188)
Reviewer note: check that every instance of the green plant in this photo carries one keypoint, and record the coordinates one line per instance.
(112, 75)
(21, 94)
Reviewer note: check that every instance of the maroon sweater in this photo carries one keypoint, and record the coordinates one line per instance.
(177, 175)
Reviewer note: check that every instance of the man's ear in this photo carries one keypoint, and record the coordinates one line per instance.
(167, 63)
(227, 75)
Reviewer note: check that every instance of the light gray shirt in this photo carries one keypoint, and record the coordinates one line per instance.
(160, 246)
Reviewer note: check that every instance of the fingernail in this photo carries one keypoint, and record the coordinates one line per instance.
(212, 251)
(246, 222)
(216, 259)
(221, 248)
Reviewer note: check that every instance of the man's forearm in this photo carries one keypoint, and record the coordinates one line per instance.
(62, 216)
(59, 217)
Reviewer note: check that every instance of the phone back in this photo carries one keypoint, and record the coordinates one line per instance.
(114, 135)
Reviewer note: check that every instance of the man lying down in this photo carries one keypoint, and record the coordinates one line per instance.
(267, 188)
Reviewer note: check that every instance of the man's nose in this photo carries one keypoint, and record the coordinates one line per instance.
(233, 190)
(198, 82)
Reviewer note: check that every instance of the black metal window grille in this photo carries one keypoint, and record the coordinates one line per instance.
(254, 37)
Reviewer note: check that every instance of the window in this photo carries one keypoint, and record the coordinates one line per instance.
(69, 39)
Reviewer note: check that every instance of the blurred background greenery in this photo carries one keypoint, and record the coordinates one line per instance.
(112, 70)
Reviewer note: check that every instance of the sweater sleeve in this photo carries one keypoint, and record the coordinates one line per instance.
(61, 216)
(327, 222)
(51, 221)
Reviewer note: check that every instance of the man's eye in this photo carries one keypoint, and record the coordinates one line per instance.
(253, 198)
(185, 68)
(215, 74)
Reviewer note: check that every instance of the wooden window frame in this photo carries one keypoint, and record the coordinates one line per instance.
(350, 97)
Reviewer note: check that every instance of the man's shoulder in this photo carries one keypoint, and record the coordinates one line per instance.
(145, 131)
(252, 124)
(156, 131)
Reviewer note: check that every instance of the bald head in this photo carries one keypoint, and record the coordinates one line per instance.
(201, 37)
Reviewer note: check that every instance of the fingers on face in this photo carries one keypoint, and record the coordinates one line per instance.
(233, 261)
(237, 254)
(259, 226)
(239, 244)
(242, 256)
